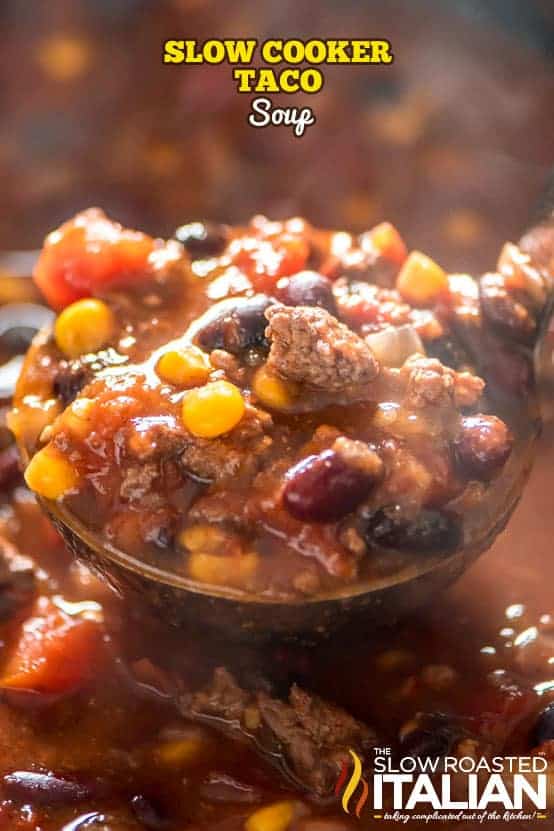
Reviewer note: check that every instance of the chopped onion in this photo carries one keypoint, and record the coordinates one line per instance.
(394, 345)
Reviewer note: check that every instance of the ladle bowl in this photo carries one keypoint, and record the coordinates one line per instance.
(368, 605)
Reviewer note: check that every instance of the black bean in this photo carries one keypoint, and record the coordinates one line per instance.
(435, 735)
(307, 288)
(19, 322)
(324, 488)
(425, 744)
(235, 325)
(448, 351)
(203, 239)
(92, 820)
(148, 814)
(69, 381)
(543, 730)
(43, 788)
(430, 531)
(482, 445)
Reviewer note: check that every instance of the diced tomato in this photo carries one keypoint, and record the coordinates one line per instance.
(56, 652)
(265, 261)
(388, 242)
(88, 254)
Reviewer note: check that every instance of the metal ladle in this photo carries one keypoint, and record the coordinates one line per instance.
(180, 601)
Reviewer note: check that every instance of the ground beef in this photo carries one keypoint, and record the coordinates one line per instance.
(17, 580)
(228, 364)
(431, 383)
(152, 439)
(310, 346)
(240, 451)
(138, 480)
(308, 737)
(358, 455)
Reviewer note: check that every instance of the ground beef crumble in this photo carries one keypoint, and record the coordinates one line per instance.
(431, 383)
(240, 451)
(310, 346)
(310, 737)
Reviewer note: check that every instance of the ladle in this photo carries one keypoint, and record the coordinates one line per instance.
(179, 600)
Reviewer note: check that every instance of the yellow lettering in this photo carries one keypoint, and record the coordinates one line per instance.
(381, 52)
(287, 85)
(244, 77)
(293, 51)
(266, 81)
(271, 51)
(336, 51)
(213, 51)
(315, 51)
(174, 51)
(240, 51)
(361, 51)
(311, 80)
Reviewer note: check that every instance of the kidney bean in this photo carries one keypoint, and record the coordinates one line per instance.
(91, 820)
(307, 288)
(430, 531)
(43, 788)
(543, 730)
(325, 487)
(505, 309)
(483, 445)
(203, 239)
(235, 325)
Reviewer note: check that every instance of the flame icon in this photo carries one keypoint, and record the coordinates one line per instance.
(352, 784)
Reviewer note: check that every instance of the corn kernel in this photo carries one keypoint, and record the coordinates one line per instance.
(421, 281)
(203, 537)
(179, 751)
(272, 391)
(85, 326)
(251, 718)
(276, 817)
(213, 409)
(50, 474)
(188, 367)
(221, 570)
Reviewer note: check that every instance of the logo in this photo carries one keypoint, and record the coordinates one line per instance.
(355, 779)
(462, 789)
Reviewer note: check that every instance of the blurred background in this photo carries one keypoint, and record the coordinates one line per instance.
(452, 142)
